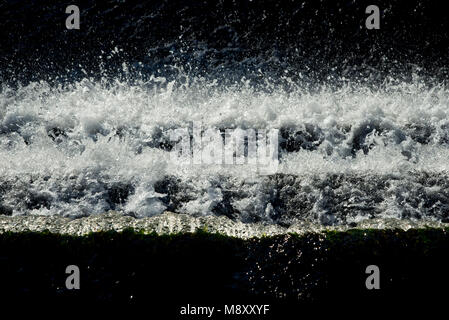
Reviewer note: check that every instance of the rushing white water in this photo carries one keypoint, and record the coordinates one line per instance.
(90, 147)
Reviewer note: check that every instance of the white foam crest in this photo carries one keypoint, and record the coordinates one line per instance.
(103, 133)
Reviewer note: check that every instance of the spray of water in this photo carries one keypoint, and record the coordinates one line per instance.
(347, 154)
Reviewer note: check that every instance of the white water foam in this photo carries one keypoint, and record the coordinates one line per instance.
(62, 149)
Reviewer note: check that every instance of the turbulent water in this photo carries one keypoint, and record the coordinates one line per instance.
(345, 155)
(86, 115)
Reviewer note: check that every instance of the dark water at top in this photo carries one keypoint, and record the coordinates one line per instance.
(311, 41)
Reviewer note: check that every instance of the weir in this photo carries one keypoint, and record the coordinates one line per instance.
(224, 159)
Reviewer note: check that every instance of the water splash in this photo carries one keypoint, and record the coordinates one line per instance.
(347, 154)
